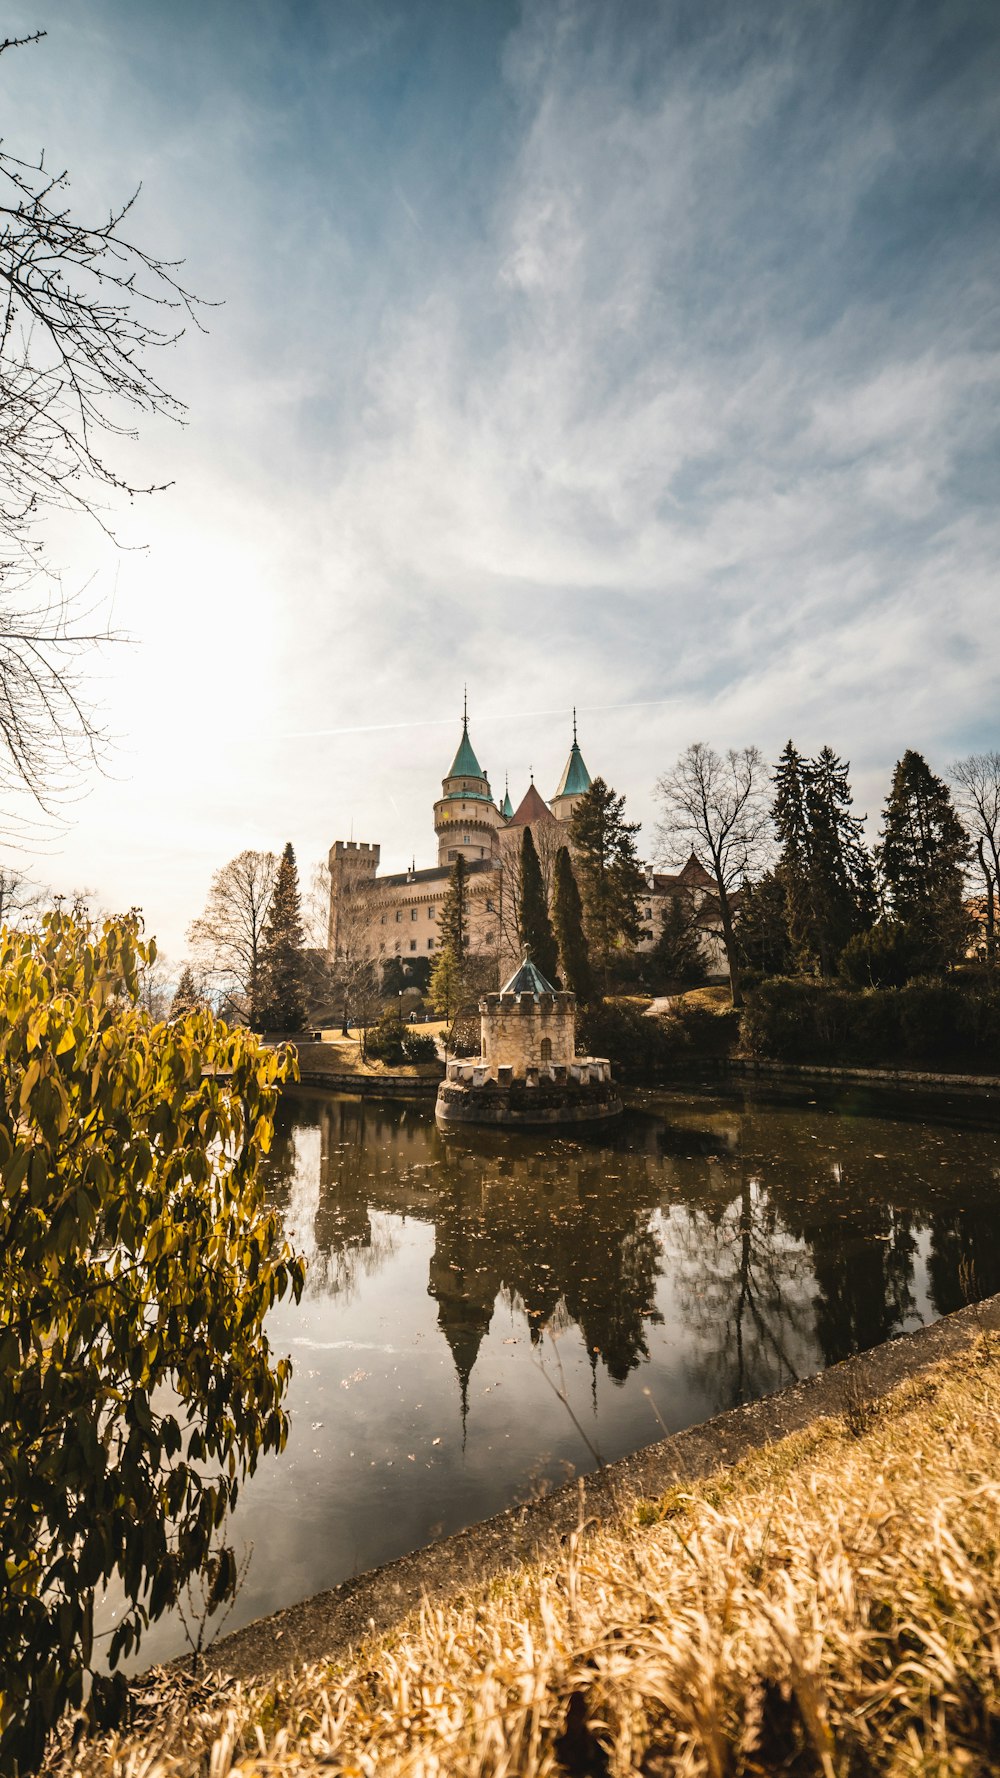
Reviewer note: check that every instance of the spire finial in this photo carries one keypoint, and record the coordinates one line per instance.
(531, 773)
(574, 725)
(465, 706)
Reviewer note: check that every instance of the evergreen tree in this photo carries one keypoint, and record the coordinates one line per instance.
(678, 957)
(762, 926)
(447, 988)
(825, 868)
(186, 997)
(567, 919)
(923, 856)
(534, 928)
(453, 925)
(283, 960)
(791, 821)
(609, 874)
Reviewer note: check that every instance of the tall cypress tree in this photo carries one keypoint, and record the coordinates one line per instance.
(567, 919)
(534, 928)
(453, 925)
(283, 959)
(923, 856)
(609, 874)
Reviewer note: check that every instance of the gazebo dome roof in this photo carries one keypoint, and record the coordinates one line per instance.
(527, 980)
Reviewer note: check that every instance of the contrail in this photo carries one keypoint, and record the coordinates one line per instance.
(381, 728)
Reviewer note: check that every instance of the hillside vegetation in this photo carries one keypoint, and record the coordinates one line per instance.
(829, 1606)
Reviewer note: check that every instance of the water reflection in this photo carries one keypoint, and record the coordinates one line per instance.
(787, 1238)
(706, 1253)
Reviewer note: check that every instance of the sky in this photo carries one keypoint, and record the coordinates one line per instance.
(639, 357)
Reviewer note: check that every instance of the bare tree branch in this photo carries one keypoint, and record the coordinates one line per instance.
(719, 808)
(83, 308)
(977, 796)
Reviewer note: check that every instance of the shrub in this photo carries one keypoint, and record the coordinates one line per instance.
(927, 1023)
(419, 1046)
(638, 1047)
(888, 956)
(385, 1040)
(138, 1261)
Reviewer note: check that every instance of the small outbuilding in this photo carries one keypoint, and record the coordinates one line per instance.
(528, 1071)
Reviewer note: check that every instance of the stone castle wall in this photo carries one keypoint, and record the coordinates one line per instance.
(520, 1031)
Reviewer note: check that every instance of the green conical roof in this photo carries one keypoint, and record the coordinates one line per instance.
(576, 778)
(527, 980)
(506, 807)
(465, 764)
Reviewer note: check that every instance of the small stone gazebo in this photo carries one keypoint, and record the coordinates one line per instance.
(528, 1071)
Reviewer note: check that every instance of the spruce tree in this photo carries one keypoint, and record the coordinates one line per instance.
(186, 997)
(283, 960)
(453, 925)
(567, 919)
(534, 928)
(825, 868)
(609, 874)
(791, 821)
(762, 926)
(923, 856)
(678, 958)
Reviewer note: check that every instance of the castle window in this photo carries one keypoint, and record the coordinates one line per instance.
(414, 913)
(431, 910)
(430, 944)
(465, 839)
(490, 909)
(546, 1049)
(384, 919)
(413, 944)
(399, 915)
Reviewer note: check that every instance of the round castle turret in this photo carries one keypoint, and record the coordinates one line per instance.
(528, 1071)
(465, 816)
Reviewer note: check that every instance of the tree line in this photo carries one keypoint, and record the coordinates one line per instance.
(795, 886)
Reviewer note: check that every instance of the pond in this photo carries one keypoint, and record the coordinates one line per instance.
(486, 1314)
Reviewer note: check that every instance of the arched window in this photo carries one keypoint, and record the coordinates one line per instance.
(546, 1049)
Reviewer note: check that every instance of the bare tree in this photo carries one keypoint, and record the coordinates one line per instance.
(718, 806)
(227, 939)
(82, 307)
(977, 795)
(20, 899)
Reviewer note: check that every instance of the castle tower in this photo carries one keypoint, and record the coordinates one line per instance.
(573, 784)
(352, 878)
(465, 816)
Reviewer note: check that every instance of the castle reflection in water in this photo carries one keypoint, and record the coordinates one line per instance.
(787, 1238)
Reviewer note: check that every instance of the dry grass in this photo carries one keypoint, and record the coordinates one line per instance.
(716, 998)
(831, 1605)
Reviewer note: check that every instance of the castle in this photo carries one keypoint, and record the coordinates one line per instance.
(377, 917)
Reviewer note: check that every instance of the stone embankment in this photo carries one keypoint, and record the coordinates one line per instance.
(904, 1080)
(321, 1065)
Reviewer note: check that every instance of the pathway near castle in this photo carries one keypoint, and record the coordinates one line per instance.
(706, 1252)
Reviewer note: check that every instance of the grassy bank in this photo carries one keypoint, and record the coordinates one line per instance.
(831, 1605)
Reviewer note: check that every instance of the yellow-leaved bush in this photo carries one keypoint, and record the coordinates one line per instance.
(138, 1261)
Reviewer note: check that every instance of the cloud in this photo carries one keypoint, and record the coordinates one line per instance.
(581, 362)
